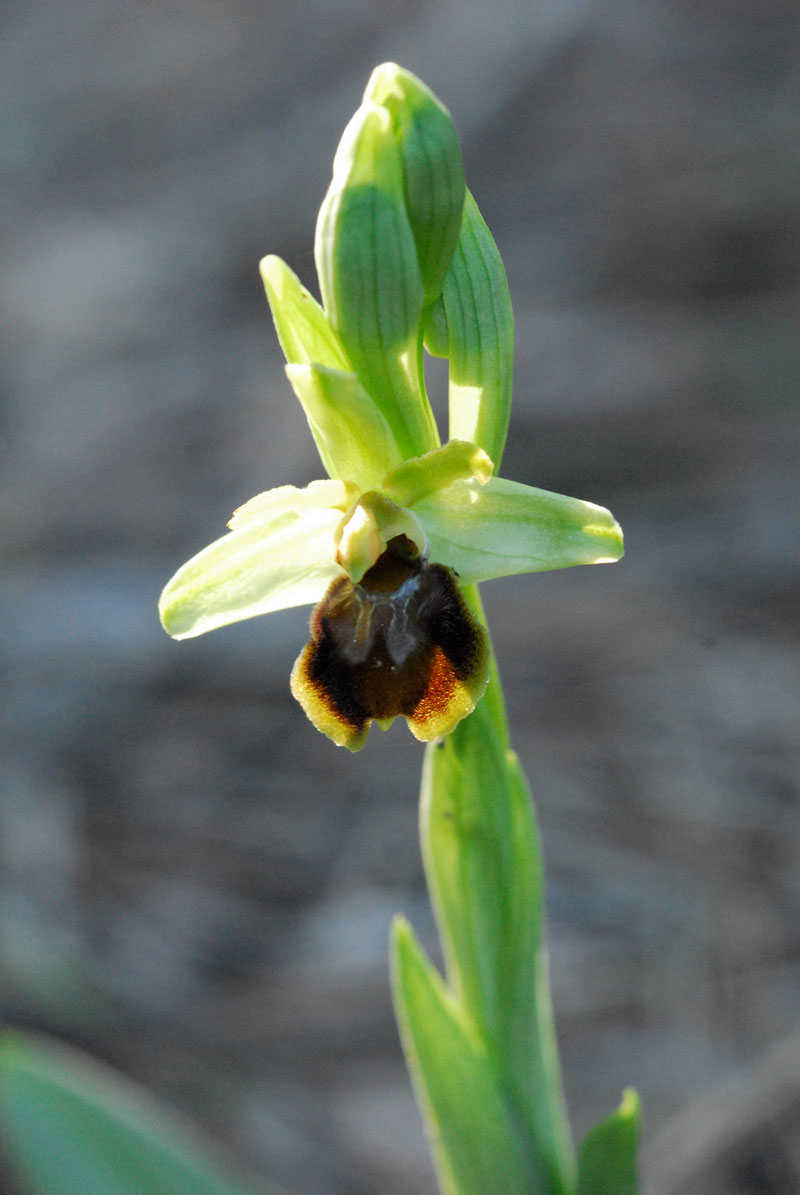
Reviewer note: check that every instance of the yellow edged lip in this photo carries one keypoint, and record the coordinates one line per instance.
(401, 642)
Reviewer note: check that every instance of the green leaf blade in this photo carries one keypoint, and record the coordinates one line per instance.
(71, 1127)
(608, 1155)
(476, 1145)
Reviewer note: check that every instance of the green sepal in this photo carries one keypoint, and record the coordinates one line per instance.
(304, 333)
(479, 337)
(474, 1139)
(502, 528)
(483, 866)
(354, 441)
(73, 1127)
(370, 278)
(421, 476)
(279, 553)
(607, 1163)
(433, 169)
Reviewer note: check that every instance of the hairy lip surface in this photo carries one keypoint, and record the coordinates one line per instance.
(401, 642)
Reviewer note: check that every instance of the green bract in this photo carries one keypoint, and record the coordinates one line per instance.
(403, 258)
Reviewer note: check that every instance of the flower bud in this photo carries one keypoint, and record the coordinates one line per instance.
(433, 170)
(370, 278)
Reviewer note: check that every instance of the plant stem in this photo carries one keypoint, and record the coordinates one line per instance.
(483, 865)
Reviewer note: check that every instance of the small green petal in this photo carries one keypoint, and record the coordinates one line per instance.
(260, 567)
(353, 439)
(304, 332)
(423, 475)
(369, 275)
(433, 170)
(503, 528)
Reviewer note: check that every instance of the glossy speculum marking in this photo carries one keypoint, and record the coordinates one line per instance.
(402, 641)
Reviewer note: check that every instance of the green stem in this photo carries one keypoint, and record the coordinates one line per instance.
(483, 865)
(494, 698)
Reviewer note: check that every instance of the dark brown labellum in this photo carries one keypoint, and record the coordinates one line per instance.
(402, 641)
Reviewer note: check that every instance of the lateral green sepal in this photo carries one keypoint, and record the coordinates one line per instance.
(278, 553)
(501, 528)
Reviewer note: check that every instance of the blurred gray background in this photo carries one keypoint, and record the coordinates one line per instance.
(196, 886)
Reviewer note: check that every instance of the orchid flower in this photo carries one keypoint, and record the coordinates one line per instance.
(387, 543)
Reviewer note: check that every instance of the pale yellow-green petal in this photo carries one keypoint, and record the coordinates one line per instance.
(502, 528)
(286, 502)
(253, 570)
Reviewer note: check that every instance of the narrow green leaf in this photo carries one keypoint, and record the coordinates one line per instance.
(480, 337)
(369, 275)
(73, 1127)
(482, 860)
(476, 1145)
(354, 441)
(433, 170)
(608, 1156)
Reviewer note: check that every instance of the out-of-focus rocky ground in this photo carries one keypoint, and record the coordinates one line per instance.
(194, 884)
